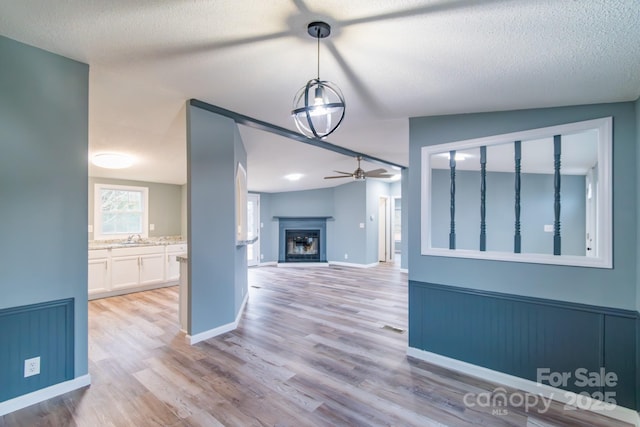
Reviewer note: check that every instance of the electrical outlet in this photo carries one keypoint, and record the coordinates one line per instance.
(261, 256)
(346, 256)
(152, 227)
(32, 366)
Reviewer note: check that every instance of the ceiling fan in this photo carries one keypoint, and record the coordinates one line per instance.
(361, 174)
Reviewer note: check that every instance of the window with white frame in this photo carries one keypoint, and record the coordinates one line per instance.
(120, 211)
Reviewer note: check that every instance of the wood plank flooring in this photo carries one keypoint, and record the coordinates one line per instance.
(315, 347)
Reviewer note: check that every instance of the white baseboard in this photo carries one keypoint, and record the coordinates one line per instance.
(302, 264)
(41, 395)
(351, 264)
(404, 270)
(559, 395)
(268, 263)
(194, 339)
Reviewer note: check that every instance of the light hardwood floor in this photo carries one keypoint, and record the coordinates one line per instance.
(315, 347)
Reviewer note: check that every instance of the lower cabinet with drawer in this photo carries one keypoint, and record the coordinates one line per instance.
(123, 270)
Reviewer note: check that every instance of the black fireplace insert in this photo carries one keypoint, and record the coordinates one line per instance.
(302, 245)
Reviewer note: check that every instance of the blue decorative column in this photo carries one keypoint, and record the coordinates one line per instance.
(517, 145)
(452, 207)
(483, 198)
(556, 193)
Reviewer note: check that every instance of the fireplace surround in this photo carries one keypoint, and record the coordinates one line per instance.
(302, 239)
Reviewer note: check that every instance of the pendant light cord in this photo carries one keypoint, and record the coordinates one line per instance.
(318, 38)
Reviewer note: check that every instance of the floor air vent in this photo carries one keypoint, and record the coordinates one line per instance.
(393, 329)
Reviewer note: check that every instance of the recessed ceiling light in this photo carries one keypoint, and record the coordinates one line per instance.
(396, 177)
(293, 176)
(113, 160)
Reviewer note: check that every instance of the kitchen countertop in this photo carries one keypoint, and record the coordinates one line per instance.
(123, 243)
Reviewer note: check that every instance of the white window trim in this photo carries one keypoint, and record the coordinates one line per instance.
(604, 208)
(97, 211)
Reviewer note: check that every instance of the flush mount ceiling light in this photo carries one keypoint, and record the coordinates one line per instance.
(318, 108)
(293, 176)
(113, 160)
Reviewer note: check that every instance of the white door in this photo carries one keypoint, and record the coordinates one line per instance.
(384, 241)
(253, 228)
(396, 227)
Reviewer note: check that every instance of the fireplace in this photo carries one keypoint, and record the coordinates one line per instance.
(302, 239)
(302, 245)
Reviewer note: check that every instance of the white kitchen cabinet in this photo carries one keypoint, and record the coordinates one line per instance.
(99, 279)
(152, 268)
(125, 271)
(117, 271)
(137, 266)
(172, 268)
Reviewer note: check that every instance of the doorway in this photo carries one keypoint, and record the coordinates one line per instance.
(384, 230)
(253, 229)
(396, 225)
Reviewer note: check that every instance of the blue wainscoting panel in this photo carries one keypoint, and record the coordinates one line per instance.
(44, 330)
(619, 358)
(519, 335)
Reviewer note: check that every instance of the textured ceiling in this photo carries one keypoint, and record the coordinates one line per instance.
(392, 59)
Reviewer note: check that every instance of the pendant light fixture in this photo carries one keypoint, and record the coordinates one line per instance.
(318, 108)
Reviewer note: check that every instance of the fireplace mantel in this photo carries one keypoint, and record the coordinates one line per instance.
(293, 218)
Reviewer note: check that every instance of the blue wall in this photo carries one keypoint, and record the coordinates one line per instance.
(217, 268)
(451, 291)
(351, 210)
(43, 184)
(606, 287)
(349, 204)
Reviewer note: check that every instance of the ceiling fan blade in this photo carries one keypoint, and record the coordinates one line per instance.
(341, 176)
(346, 173)
(375, 172)
(367, 96)
(207, 48)
(382, 175)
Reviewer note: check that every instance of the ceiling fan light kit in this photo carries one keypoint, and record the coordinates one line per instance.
(318, 107)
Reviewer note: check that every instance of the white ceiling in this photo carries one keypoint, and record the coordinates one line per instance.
(393, 59)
